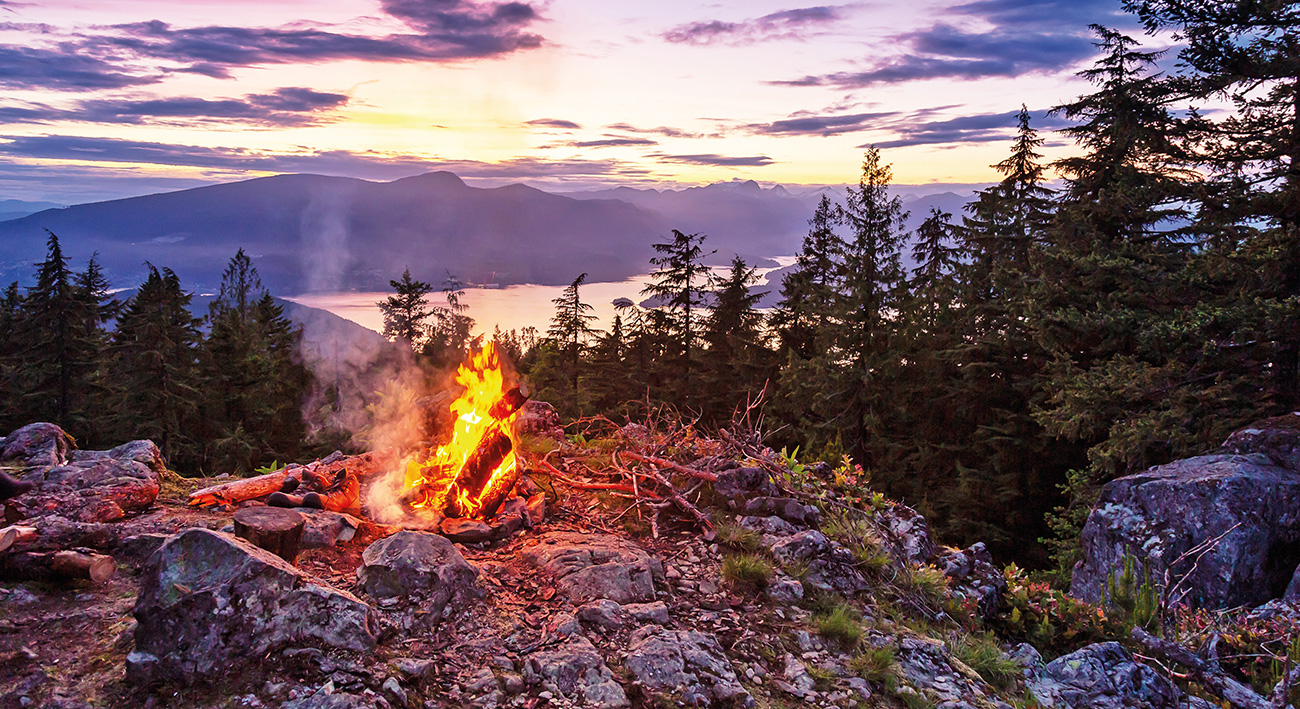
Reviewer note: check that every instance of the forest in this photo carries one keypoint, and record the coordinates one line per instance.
(1055, 335)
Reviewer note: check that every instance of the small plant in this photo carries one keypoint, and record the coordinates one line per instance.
(929, 582)
(981, 653)
(734, 536)
(1133, 598)
(274, 467)
(823, 679)
(842, 624)
(875, 664)
(747, 571)
(791, 461)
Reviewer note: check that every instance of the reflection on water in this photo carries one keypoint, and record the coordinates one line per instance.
(510, 308)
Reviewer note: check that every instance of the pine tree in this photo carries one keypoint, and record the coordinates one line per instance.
(154, 350)
(808, 291)
(449, 340)
(737, 364)
(937, 256)
(406, 312)
(97, 308)
(680, 281)
(871, 274)
(571, 328)
(10, 361)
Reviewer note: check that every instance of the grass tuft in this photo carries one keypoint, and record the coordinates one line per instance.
(734, 536)
(842, 624)
(981, 653)
(874, 664)
(747, 572)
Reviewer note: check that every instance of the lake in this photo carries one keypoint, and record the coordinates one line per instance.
(509, 308)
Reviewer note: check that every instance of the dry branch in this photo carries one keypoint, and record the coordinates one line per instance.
(1209, 674)
(663, 463)
(580, 485)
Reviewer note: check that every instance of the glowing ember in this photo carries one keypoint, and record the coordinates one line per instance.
(472, 474)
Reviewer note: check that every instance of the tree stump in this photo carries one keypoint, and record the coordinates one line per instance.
(275, 529)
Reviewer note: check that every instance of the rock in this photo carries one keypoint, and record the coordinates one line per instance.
(536, 509)
(926, 665)
(393, 689)
(591, 566)
(504, 526)
(773, 525)
(685, 661)
(784, 590)
(909, 532)
(136, 549)
(1102, 676)
(414, 668)
(1277, 437)
(562, 625)
(96, 486)
(830, 566)
(211, 604)
(332, 700)
(603, 613)
(786, 508)
(576, 670)
(800, 683)
(38, 444)
(1162, 513)
(325, 528)
(656, 612)
(740, 484)
(973, 575)
(540, 419)
(1285, 610)
(423, 568)
(465, 531)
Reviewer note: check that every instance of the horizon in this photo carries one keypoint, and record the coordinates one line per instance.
(566, 95)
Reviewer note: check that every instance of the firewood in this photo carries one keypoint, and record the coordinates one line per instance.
(58, 566)
(663, 463)
(12, 535)
(239, 490)
(275, 529)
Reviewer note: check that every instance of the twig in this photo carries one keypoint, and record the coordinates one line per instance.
(662, 463)
(580, 485)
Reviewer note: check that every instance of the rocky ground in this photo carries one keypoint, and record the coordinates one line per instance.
(808, 591)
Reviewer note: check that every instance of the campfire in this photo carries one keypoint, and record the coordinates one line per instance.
(475, 471)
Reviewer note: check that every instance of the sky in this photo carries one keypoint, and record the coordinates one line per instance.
(104, 100)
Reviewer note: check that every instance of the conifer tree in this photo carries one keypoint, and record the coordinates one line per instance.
(406, 312)
(571, 328)
(154, 350)
(10, 360)
(680, 281)
(737, 361)
(808, 291)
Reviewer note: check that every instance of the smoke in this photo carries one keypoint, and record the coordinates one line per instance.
(323, 231)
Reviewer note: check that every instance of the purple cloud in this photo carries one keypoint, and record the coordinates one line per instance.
(717, 160)
(786, 24)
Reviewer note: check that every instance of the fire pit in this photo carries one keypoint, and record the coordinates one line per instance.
(471, 475)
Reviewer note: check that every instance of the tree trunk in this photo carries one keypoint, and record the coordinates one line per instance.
(58, 566)
(275, 529)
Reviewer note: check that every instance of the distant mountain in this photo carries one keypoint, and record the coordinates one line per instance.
(315, 233)
(17, 208)
(741, 218)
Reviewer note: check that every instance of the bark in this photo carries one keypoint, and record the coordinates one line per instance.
(58, 566)
(274, 529)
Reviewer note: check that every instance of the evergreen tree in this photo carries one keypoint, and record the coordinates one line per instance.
(97, 308)
(871, 274)
(680, 281)
(10, 360)
(808, 291)
(449, 340)
(406, 312)
(571, 328)
(60, 343)
(737, 361)
(937, 256)
(154, 350)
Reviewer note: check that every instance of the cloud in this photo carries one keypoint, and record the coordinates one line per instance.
(290, 106)
(822, 125)
(612, 142)
(65, 68)
(716, 160)
(982, 128)
(1025, 37)
(786, 24)
(365, 165)
(555, 123)
(115, 56)
(665, 131)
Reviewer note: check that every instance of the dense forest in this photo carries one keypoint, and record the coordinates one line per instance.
(1054, 336)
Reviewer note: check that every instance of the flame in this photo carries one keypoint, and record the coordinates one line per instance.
(447, 480)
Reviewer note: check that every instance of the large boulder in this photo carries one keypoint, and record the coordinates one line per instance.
(212, 604)
(687, 662)
(37, 444)
(1101, 676)
(1241, 511)
(587, 567)
(417, 566)
(96, 486)
(1277, 437)
(930, 670)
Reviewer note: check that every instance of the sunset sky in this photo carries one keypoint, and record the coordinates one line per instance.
(112, 99)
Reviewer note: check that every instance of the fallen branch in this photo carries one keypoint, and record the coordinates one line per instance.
(1210, 675)
(239, 490)
(58, 566)
(580, 485)
(663, 463)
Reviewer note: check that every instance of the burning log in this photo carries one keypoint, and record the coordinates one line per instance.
(58, 566)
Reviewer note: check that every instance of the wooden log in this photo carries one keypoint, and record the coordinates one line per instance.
(239, 490)
(275, 529)
(12, 535)
(64, 565)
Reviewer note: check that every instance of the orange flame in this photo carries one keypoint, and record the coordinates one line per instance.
(451, 478)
